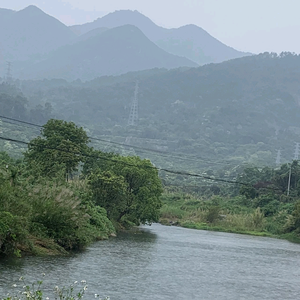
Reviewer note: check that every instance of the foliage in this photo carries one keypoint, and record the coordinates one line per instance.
(13, 231)
(60, 215)
(268, 214)
(61, 146)
(129, 189)
(38, 207)
(32, 212)
(212, 214)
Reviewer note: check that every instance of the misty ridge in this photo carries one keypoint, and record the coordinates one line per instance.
(196, 95)
(40, 45)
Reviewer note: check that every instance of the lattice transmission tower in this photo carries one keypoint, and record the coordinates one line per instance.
(134, 111)
(8, 72)
(278, 158)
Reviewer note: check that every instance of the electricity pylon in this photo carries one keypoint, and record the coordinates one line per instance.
(134, 113)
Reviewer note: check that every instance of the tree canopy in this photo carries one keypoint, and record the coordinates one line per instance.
(128, 188)
(61, 145)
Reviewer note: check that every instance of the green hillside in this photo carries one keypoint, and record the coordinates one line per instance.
(228, 114)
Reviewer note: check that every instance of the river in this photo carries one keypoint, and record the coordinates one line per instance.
(160, 262)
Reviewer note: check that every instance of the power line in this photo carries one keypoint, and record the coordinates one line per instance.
(183, 173)
(23, 122)
(163, 153)
(13, 123)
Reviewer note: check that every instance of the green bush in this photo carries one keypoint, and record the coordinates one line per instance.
(257, 218)
(213, 214)
(62, 217)
(171, 212)
(13, 231)
(271, 208)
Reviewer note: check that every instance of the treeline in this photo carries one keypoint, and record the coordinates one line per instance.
(63, 194)
(14, 104)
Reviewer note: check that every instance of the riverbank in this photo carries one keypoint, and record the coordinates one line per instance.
(291, 237)
(232, 215)
(48, 218)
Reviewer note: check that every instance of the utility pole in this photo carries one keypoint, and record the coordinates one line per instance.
(278, 158)
(133, 116)
(296, 156)
(289, 182)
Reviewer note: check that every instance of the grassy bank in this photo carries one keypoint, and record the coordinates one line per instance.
(48, 217)
(229, 214)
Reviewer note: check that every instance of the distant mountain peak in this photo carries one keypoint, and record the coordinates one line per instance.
(31, 33)
(127, 11)
(126, 16)
(190, 41)
(32, 8)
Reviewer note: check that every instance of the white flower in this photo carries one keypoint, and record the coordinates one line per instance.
(75, 282)
(21, 278)
(83, 281)
(14, 285)
(85, 288)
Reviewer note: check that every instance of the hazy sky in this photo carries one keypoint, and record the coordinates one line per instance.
(248, 25)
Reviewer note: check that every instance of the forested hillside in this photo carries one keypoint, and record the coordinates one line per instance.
(243, 110)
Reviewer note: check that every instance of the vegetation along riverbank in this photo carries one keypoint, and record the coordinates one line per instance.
(63, 194)
(264, 202)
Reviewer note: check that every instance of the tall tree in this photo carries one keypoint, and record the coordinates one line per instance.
(61, 146)
(129, 189)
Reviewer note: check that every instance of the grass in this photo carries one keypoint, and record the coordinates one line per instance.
(232, 215)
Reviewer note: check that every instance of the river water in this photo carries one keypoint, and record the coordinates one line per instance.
(160, 262)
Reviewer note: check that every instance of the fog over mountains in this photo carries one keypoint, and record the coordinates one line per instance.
(40, 46)
(243, 109)
(30, 34)
(112, 52)
(189, 41)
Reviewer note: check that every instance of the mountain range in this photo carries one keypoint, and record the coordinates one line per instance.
(189, 41)
(40, 46)
(110, 52)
